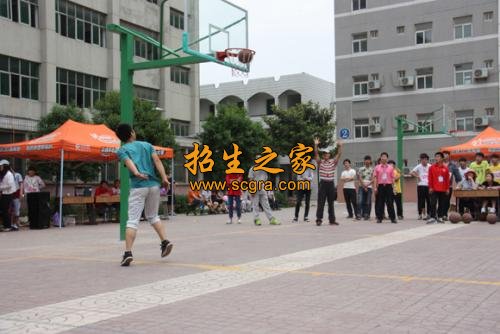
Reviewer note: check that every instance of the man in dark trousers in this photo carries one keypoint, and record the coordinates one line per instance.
(383, 180)
(439, 189)
(326, 190)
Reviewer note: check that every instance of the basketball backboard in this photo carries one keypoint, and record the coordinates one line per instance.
(213, 26)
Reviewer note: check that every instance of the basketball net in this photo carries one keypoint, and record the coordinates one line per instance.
(241, 57)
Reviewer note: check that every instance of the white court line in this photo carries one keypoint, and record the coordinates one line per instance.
(71, 314)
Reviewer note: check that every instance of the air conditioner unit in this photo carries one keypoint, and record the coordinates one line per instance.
(407, 81)
(374, 85)
(480, 73)
(375, 128)
(407, 127)
(481, 121)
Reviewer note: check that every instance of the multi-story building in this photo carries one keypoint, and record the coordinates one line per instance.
(433, 62)
(59, 51)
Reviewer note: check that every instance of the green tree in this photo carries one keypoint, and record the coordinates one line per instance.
(300, 124)
(148, 122)
(232, 125)
(50, 122)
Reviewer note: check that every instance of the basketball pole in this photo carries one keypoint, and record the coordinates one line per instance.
(166, 58)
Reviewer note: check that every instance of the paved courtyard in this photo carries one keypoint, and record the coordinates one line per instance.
(359, 277)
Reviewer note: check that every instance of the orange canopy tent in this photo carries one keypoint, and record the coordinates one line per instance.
(75, 142)
(72, 141)
(487, 142)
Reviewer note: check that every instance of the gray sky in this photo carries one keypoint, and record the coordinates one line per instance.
(289, 36)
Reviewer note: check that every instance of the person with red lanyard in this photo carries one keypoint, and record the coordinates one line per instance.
(383, 180)
(439, 189)
(234, 195)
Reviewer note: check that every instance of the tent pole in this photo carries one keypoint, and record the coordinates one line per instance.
(172, 187)
(61, 189)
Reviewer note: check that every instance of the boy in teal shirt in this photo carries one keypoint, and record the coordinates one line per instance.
(141, 160)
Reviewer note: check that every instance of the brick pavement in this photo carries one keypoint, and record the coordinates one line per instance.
(439, 283)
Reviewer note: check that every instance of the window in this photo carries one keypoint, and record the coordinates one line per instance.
(176, 18)
(425, 123)
(488, 16)
(180, 128)
(153, 1)
(361, 128)
(359, 43)
(374, 76)
(358, 4)
(375, 120)
(77, 22)
(423, 33)
(360, 85)
(80, 89)
(269, 106)
(401, 74)
(23, 11)
(463, 74)
(374, 34)
(424, 78)
(19, 78)
(400, 29)
(179, 75)
(141, 48)
(463, 27)
(147, 94)
(464, 120)
(490, 111)
(488, 63)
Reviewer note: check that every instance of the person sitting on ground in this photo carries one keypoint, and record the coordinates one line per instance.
(206, 199)
(246, 201)
(467, 183)
(489, 183)
(194, 201)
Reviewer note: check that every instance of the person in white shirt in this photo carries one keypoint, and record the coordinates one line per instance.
(32, 182)
(301, 193)
(421, 172)
(348, 176)
(462, 167)
(8, 188)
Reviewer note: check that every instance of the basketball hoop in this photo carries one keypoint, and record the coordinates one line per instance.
(237, 56)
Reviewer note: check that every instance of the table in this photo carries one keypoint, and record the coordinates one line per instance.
(480, 193)
(108, 199)
(88, 201)
(477, 193)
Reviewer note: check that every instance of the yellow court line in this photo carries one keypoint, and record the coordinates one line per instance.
(207, 267)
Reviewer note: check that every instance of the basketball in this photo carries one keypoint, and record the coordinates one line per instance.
(454, 217)
(491, 218)
(245, 56)
(467, 218)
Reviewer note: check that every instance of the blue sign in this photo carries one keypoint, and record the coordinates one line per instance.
(344, 133)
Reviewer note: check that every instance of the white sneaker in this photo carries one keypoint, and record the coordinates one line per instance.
(229, 222)
(239, 221)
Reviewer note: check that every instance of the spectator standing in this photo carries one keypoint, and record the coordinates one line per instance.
(398, 196)
(421, 172)
(327, 191)
(348, 176)
(365, 177)
(307, 176)
(383, 180)
(8, 187)
(439, 189)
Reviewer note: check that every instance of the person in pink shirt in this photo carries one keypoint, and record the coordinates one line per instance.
(383, 180)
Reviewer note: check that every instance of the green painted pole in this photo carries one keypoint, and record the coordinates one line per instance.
(126, 116)
(400, 149)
